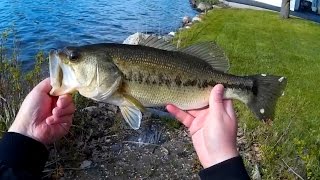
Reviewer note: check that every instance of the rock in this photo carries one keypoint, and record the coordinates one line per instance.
(216, 7)
(196, 18)
(135, 38)
(189, 24)
(204, 6)
(172, 33)
(90, 108)
(167, 38)
(85, 164)
(193, 3)
(186, 20)
(159, 114)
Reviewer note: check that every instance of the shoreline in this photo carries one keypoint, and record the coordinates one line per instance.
(203, 8)
(186, 23)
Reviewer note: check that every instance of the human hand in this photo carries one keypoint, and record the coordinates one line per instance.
(43, 117)
(213, 130)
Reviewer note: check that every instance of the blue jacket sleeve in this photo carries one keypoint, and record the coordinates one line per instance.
(231, 169)
(21, 157)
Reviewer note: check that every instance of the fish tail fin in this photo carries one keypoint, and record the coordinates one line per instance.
(266, 91)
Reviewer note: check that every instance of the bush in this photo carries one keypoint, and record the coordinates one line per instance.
(14, 84)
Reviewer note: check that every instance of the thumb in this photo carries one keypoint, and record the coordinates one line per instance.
(44, 86)
(216, 97)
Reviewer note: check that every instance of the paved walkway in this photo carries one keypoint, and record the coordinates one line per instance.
(304, 15)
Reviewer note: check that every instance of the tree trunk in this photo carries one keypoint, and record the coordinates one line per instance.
(285, 9)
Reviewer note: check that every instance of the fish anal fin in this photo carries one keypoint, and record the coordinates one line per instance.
(132, 116)
(209, 52)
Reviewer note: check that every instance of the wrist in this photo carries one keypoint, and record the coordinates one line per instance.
(216, 157)
(18, 129)
(23, 129)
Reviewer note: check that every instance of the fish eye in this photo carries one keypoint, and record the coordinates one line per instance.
(73, 55)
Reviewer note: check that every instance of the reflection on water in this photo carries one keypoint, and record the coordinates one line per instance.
(44, 24)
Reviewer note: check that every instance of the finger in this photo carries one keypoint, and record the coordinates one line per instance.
(59, 112)
(50, 120)
(64, 101)
(65, 119)
(196, 112)
(44, 86)
(182, 116)
(228, 106)
(197, 124)
(216, 97)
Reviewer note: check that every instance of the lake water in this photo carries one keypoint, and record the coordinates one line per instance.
(46, 24)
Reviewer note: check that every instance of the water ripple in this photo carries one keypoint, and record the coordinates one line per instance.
(45, 24)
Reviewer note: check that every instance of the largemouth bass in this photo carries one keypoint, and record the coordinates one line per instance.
(155, 73)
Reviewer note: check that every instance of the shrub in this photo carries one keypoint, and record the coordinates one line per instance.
(14, 84)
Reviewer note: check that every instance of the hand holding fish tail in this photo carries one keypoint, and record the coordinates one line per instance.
(213, 130)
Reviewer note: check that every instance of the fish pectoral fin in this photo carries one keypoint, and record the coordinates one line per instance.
(135, 102)
(132, 115)
(131, 110)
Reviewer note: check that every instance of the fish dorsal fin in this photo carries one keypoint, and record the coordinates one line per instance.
(209, 52)
(156, 42)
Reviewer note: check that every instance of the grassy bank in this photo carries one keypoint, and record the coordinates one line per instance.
(259, 42)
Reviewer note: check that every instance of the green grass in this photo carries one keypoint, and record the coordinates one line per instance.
(260, 42)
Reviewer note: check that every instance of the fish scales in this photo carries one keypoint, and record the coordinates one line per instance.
(152, 59)
(174, 66)
(160, 95)
(134, 77)
(158, 79)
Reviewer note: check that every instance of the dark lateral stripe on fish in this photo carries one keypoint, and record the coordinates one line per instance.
(205, 84)
(161, 79)
(147, 79)
(178, 81)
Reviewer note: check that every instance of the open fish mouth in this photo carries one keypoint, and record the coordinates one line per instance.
(56, 74)
(62, 77)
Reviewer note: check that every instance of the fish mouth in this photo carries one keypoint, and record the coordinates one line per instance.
(62, 79)
(56, 74)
